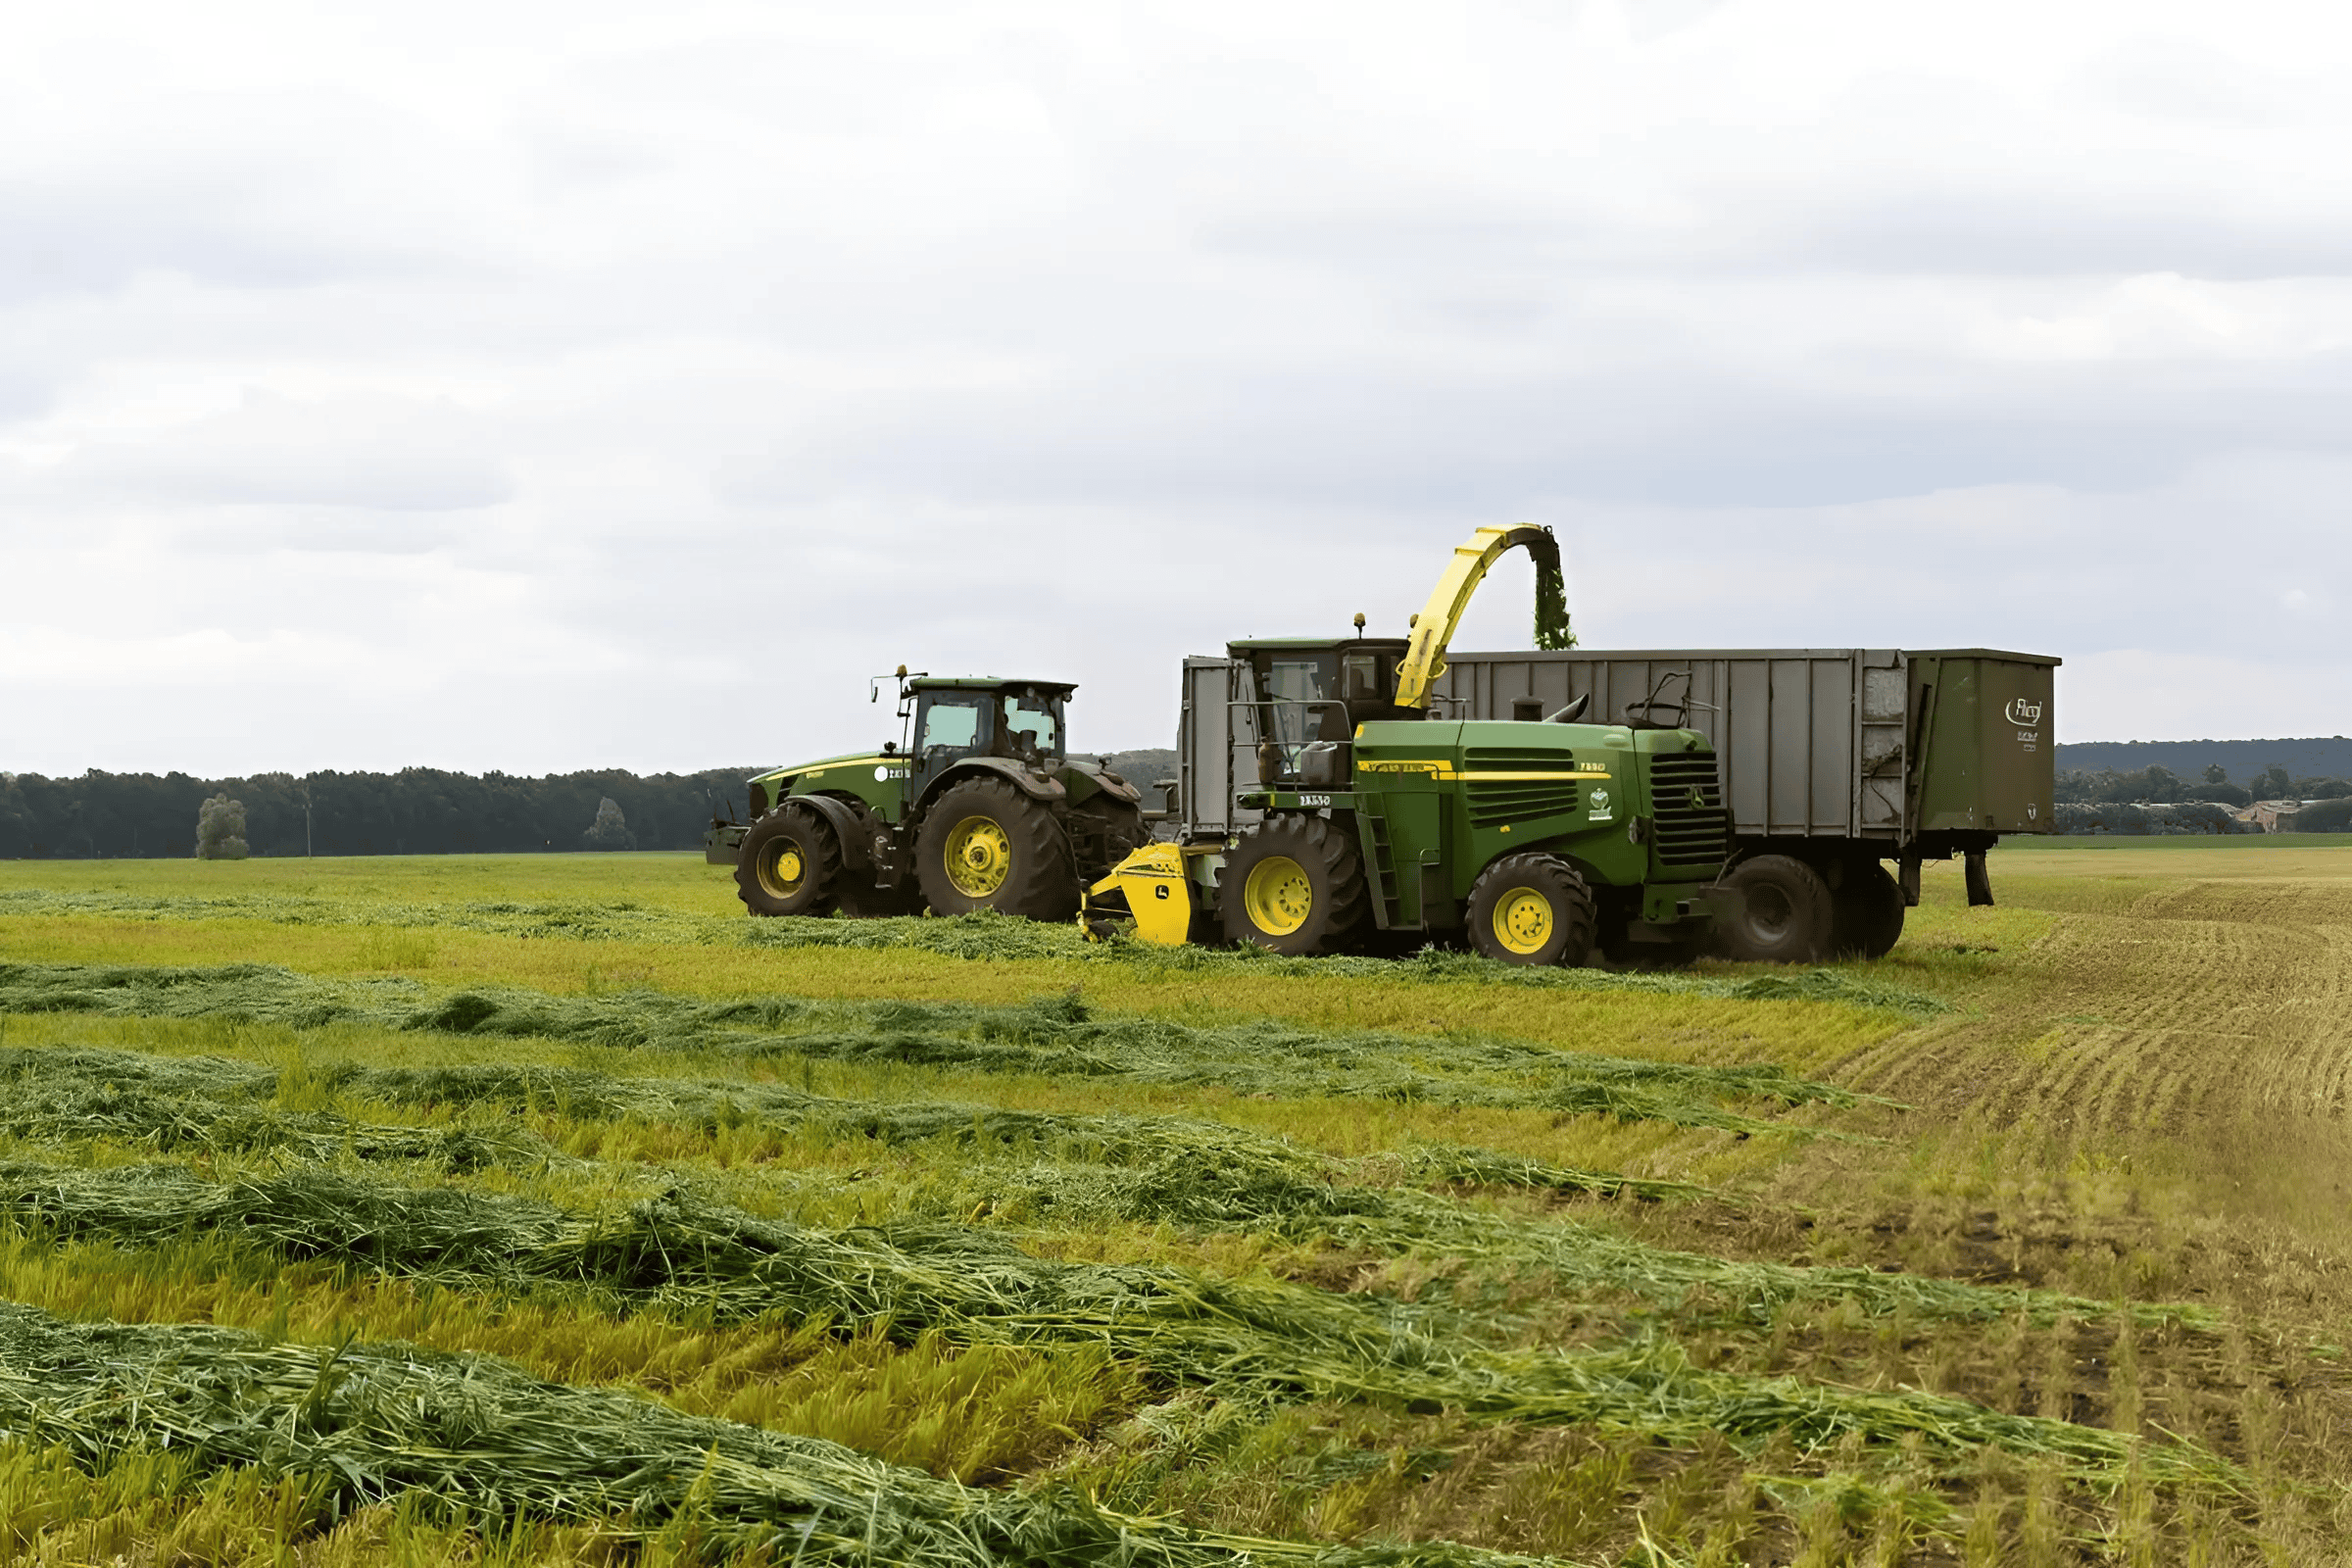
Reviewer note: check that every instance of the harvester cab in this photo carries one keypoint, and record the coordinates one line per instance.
(977, 805)
(1353, 811)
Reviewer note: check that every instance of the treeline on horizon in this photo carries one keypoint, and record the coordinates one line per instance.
(2156, 800)
(417, 810)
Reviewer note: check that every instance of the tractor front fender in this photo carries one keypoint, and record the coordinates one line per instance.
(849, 828)
(1085, 783)
(1047, 789)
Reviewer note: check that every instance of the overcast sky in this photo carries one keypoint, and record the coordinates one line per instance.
(542, 387)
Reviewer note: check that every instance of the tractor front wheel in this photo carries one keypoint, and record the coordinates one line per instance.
(1531, 908)
(983, 845)
(790, 863)
(1295, 885)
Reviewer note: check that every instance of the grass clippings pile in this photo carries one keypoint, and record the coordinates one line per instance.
(366, 1423)
(680, 1255)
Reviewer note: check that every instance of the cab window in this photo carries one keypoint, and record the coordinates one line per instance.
(951, 722)
(1033, 722)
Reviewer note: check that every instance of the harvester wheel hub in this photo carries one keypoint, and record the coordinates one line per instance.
(1523, 920)
(978, 857)
(1278, 896)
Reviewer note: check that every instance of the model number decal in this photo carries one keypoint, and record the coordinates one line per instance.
(1314, 800)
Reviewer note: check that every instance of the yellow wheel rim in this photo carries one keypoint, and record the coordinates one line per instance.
(1523, 920)
(1277, 896)
(782, 869)
(978, 857)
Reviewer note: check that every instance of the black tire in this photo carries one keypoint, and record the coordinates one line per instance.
(1531, 908)
(1868, 918)
(1105, 830)
(1011, 855)
(1295, 885)
(1784, 912)
(790, 863)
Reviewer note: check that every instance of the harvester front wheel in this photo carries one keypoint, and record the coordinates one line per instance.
(1784, 913)
(790, 863)
(1868, 919)
(1531, 908)
(1295, 885)
(983, 845)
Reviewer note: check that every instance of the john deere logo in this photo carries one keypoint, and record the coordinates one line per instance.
(2021, 712)
(1699, 799)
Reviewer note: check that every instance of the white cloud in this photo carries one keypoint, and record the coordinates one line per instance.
(535, 387)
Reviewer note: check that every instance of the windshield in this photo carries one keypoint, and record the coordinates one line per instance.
(1033, 724)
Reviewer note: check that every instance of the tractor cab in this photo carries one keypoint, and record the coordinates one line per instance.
(1309, 695)
(954, 717)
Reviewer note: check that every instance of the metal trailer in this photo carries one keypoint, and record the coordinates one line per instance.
(1838, 756)
(1833, 760)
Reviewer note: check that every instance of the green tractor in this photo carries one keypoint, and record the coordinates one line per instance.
(982, 809)
(1538, 838)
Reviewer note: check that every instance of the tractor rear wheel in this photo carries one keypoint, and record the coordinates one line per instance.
(1783, 914)
(790, 863)
(1105, 830)
(1531, 908)
(983, 845)
(1868, 919)
(1295, 885)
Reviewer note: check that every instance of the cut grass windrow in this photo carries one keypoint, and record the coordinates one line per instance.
(683, 1257)
(1057, 1036)
(368, 1423)
(1147, 1170)
(982, 936)
(174, 1104)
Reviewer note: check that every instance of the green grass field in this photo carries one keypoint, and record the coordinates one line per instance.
(546, 1210)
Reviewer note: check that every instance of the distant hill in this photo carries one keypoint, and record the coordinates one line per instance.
(1142, 769)
(2314, 757)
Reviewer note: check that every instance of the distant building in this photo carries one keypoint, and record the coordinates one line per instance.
(2273, 816)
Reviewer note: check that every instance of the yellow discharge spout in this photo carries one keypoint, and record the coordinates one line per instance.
(1433, 629)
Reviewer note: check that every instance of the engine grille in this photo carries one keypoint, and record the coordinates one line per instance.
(1686, 802)
(1514, 800)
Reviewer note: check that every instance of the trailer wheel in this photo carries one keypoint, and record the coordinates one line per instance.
(1784, 913)
(1868, 919)
(983, 845)
(790, 863)
(1531, 908)
(1294, 885)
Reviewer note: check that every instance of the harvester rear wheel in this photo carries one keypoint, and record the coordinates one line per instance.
(790, 863)
(1868, 919)
(983, 845)
(1531, 908)
(1295, 885)
(1783, 913)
